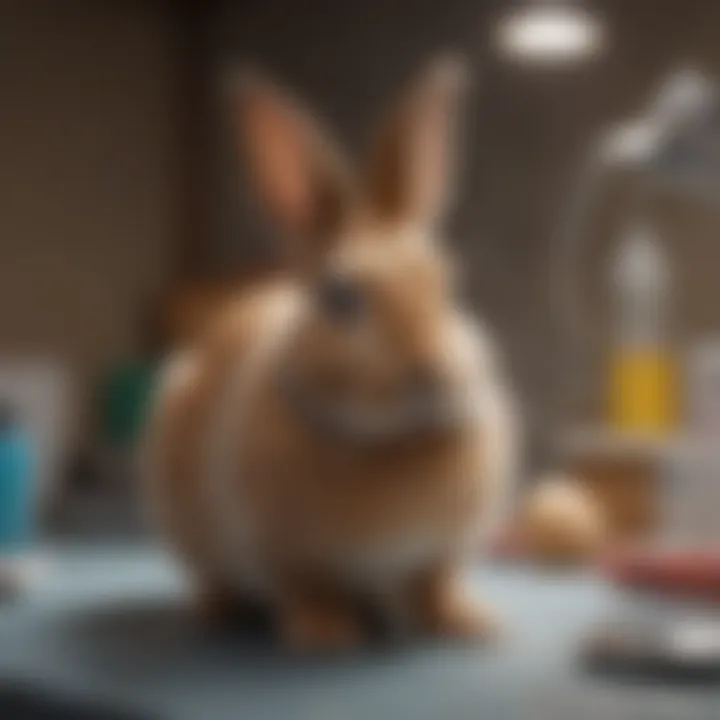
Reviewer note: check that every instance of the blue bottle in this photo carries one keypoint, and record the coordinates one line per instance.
(17, 484)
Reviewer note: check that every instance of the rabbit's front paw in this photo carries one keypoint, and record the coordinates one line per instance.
(312, 624)
(444, 607)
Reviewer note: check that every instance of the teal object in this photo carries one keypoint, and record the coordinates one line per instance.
(17, 484)
(126, 397)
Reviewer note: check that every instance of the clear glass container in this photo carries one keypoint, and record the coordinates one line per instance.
(642, 375)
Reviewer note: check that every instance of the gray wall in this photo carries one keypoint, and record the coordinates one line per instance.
(86, 177)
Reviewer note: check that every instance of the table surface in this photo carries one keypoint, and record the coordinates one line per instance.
(109, 623)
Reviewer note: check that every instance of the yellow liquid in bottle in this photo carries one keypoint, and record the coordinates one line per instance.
(643, 393)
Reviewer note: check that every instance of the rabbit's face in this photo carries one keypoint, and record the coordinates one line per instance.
(376, 330)
(379, 334)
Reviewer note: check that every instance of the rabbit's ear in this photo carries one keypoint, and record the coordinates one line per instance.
(300, 176)
(413, 161)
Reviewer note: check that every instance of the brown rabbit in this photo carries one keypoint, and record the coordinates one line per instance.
(340, 440)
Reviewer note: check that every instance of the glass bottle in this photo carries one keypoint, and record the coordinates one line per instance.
(642, 395)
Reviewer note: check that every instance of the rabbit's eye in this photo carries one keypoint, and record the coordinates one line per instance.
(341, 298)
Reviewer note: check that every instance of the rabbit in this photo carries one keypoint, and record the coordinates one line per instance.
(342, 437)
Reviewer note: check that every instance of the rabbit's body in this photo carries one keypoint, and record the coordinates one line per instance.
(262, 490)
(339, 442)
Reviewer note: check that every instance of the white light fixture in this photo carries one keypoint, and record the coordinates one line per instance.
(549, 32)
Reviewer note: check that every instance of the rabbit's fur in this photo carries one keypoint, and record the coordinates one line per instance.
(342, 439)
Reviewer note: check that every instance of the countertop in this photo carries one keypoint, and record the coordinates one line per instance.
(107, 627)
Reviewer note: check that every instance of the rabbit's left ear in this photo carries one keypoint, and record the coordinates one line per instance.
(412, 165)
(300, 175)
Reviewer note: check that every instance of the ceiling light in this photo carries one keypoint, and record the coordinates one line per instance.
(549, 32)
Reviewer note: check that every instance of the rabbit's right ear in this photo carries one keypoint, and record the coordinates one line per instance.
(412, 169)
(300, 176)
